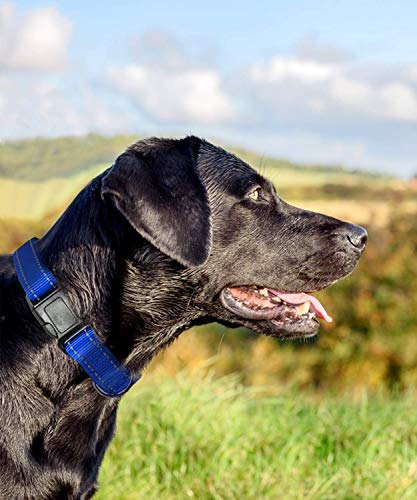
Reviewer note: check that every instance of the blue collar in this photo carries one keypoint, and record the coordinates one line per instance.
(51, 308)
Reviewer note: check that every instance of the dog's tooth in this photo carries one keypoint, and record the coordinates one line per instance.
(303, 308)
(264, 291)
(311, 315)
(277, 300)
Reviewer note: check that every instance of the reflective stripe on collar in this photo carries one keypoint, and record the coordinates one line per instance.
(53, 311)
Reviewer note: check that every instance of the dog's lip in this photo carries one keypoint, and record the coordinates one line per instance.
(261, 303)
(285, 328)
(240, 308)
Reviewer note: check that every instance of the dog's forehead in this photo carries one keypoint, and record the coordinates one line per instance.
(220, 168)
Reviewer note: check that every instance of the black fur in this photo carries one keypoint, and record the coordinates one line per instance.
(143, 253)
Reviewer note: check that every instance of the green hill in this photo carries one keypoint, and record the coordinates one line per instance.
(40, 159)
(38, 176)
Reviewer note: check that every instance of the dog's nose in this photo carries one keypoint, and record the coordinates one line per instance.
(357, 236)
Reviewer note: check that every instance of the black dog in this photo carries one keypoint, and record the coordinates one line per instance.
(177, 233)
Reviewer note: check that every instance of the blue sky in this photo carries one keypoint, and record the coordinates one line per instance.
(312, 81)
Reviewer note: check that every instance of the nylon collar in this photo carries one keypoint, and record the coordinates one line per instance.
(53, 311)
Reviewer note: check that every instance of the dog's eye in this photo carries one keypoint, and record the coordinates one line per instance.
(255, 195)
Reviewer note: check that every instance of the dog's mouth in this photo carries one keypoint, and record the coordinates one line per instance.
(274, 312)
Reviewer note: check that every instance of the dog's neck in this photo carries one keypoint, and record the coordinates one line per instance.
(135, 298)
(101, 288)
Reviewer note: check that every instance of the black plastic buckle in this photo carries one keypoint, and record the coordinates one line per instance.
(55, 316)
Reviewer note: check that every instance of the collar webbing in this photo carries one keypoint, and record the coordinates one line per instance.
(52, 309)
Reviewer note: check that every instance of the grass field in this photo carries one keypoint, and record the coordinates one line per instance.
(214, 439)
(183, 436)
(28, 200)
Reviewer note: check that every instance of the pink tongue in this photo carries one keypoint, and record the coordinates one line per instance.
(300, 298)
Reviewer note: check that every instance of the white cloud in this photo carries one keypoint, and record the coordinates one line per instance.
(34, 101)
(36, 42)
(395, 101)
(280, 69)
(334, 89)
(169, 82)
(182, 95)
(35, 106)
(316, 104)
(411, 73)
(311, 47)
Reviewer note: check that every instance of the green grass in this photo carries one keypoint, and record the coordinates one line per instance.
(216, 439)
(29, 200)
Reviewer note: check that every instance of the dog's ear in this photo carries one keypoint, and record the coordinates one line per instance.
(156, 186)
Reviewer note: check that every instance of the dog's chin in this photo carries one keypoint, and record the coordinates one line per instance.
(270, 312)
(301, 329)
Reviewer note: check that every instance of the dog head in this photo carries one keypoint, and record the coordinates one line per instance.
(221, 243)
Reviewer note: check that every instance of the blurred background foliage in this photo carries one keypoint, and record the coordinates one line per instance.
(372, 343)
